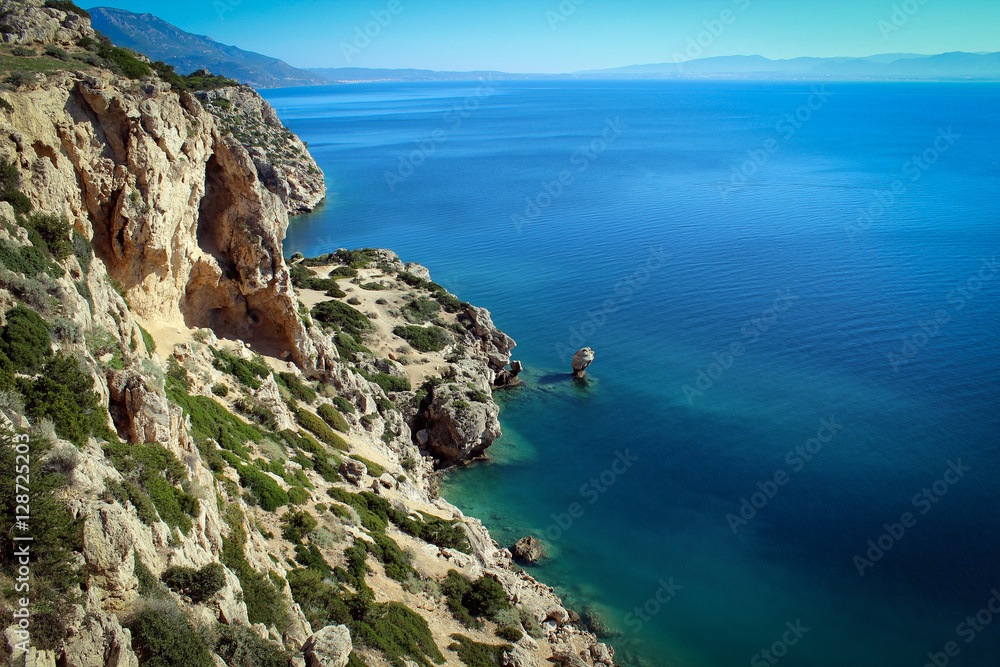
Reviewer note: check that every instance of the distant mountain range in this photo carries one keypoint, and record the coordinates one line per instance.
(187, 52)
(351, 74)
(956, 65)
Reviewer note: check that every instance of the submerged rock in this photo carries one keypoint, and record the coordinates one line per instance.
(581, 360)
(529, 549)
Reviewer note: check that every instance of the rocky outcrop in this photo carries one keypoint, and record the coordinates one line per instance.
(174, 206)
(581, 360)
(282, 160)
(529, 549)
(460, 425)
(330, 647)
(29, 22)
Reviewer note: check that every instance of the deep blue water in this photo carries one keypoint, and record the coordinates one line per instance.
(660, 258)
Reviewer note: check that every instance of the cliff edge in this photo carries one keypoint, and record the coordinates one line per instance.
(230, 460)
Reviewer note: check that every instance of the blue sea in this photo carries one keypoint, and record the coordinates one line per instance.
(786, 450)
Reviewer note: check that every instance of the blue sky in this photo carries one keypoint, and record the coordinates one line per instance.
(571, 35)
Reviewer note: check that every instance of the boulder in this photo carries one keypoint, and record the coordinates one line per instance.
(529, 549)
(330, 647)
(353, 471)
(581, 360)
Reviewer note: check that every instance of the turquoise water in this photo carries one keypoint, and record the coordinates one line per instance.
(704, 216)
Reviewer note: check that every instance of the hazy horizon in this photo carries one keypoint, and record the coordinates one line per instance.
(558, 37)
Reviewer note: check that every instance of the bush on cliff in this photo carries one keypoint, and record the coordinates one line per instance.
(330, 415)
(342, 316)
(199, 585)
(239, 646)
(318, 427)
(163, 637)
(25, 339)
(424, 339)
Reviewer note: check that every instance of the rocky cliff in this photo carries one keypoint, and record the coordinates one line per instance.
(225, 452)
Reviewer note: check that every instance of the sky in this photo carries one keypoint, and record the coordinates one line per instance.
(571, 35)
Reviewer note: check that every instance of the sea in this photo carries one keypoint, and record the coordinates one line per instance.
(786, 448)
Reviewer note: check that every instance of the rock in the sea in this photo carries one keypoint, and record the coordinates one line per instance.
(529, 549)
(330, 647)
(581, 360)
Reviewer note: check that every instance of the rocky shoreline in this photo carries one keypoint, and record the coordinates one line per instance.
(266, 431)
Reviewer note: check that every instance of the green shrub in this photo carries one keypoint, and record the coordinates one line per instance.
(239, 646)
(509, 633)
(25, 339)
(56, 52)
(471, 600)
(373, 286)
(265, 603)
(220, 390)
(249, 373)
(17, 80)
(421, 310)
(297, 495)
(149, 586)
(54, 231)
(124, 62)
(424, 339)
(83, 250)
(22, 51)
(65, 394)
(265, 489)
(296, 387)
(147, 341)
(374, 469)
(160, 474)
(397, 564)
(348, 346)
(476, 654)
(343, 272)
(356, 259)
(296, 524)
(388, 383)
(163, 637)
(344, 405)
(199, 585)
(318, 427)
(342, 316)
(27, 259)
(330, 415)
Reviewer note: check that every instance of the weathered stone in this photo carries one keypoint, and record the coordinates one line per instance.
(330, 647)
(529, 549)
(581, 360)
(353, 471)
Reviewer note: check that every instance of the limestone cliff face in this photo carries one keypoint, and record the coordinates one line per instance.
(187, 218)
(282, 160)
(175, 207)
